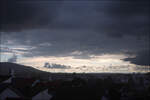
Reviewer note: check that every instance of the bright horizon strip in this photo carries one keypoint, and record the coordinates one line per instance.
(111, 63)
(99, 64)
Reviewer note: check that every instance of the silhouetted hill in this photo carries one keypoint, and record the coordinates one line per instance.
(20, 70)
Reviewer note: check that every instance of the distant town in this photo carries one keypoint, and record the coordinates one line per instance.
(73, 86)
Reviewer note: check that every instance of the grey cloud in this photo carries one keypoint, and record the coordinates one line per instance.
(112, 17)
(5, 49)
(92, 27)
(24, 14)
(129, 7)
(64, 42)
(142, 58)
(128, 17)
(13, 59)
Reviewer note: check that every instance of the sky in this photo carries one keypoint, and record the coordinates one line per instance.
(88, 35)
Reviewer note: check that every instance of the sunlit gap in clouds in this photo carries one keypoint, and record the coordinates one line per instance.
(96, 64)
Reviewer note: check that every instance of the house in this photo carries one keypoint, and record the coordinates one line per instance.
(3, 78)
(24, 86)
(43, 95)
(19, 87)
(42, 90)
(9, 80)
(11, 76)
(17, 90)
(7, 92)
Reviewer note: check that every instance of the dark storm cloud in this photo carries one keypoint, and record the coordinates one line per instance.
(125, 8)
(142, 58)
(27, 14)
(114, 18)
(128, 17)
(64, 42)
(92, 27)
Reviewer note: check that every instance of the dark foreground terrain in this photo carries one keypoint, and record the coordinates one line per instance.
(27, 83)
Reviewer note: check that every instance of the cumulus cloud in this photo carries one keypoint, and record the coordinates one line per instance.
(57, 66)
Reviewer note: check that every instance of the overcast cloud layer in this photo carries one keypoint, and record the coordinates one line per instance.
(77, 28)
